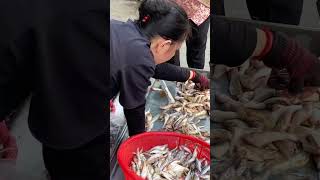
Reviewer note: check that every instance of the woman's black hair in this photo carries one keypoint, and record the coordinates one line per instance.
(164, 18)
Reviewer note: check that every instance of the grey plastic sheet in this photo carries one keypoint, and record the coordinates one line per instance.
(118, 132)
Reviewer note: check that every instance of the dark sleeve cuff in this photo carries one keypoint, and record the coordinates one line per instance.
(232, 42)
(135, 120)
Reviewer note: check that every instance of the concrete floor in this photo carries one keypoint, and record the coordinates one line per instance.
(30, 163)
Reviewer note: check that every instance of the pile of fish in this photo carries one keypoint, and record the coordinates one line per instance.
(149, 122)
(160, 163)
(190, 107)
(261, 133)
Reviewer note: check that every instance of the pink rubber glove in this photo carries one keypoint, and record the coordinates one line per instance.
(200, 80)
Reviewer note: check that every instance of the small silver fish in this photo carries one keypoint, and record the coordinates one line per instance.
(198, 163)
(189, 175)
(185, 149)
(167, 176)
(205, 170)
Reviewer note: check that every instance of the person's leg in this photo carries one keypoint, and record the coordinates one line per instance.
(286, 11)
(258, 10)
(318, 7)
(196, 45)
(85, 163)
(218, 7)
(277, 11)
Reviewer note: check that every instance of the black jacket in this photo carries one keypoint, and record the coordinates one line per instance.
(56, 51)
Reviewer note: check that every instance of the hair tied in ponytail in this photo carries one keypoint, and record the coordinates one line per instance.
(146, 18)
(163, 18)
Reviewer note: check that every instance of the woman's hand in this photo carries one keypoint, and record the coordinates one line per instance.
(200, 80)
(283, 52)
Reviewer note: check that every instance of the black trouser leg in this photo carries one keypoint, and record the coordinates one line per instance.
(218, 7)
(196, 45)
(258, 10)
(277, 11)
(318, 6)
(85, 163)
(286, 11)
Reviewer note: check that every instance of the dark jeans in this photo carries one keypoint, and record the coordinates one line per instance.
(196, 46)
(218, 7)
(277, 11)
(280, 11)
(88, 162)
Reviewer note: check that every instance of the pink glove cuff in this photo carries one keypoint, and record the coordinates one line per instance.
(11, 149)
(4, 133)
